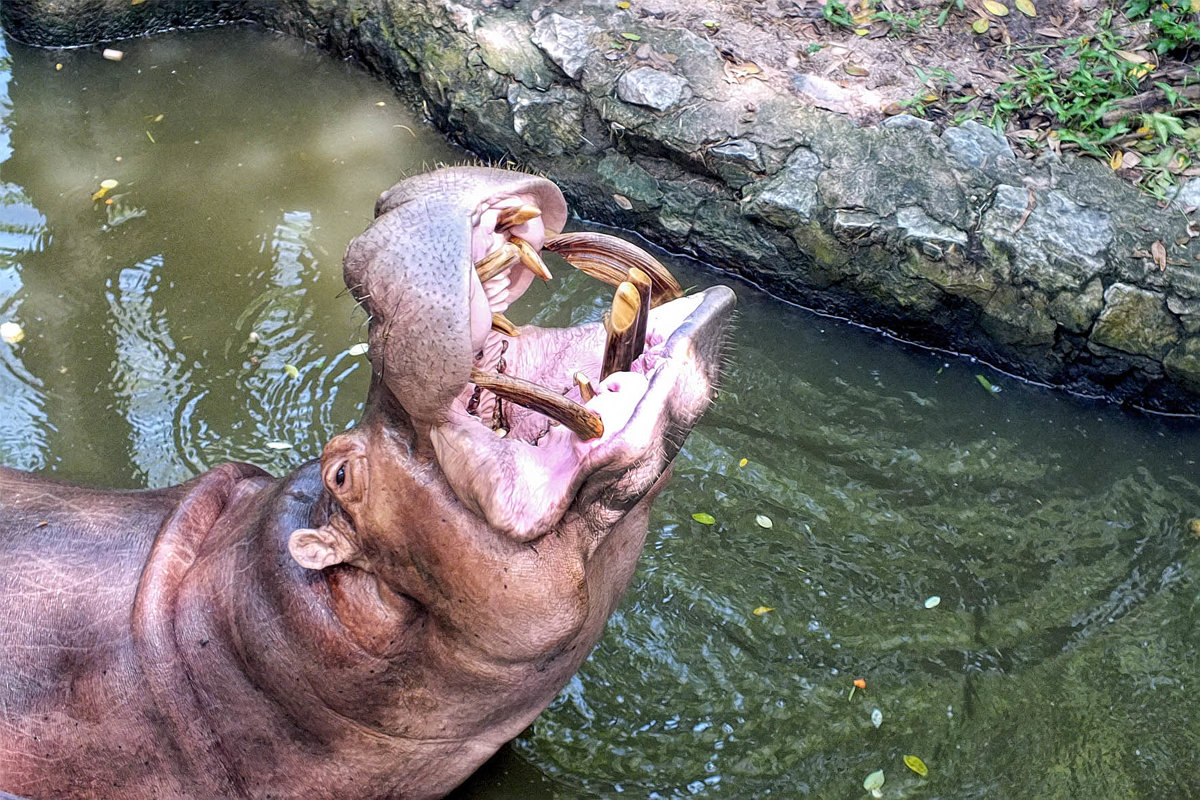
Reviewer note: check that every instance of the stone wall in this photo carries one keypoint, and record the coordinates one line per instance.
(1049, 269)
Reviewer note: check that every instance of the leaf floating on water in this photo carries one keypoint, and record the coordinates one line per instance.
(932, 601)
(279, 445)
(11, 332)
(743, 462)
(986, 384)
(359, 349)
(874, 781)
(916, 765)
(106, 186)
(996, 7)
(1026, 8)
(758, 612)
(876, 717)
(763, 520)
(704, 519)
(291, 370)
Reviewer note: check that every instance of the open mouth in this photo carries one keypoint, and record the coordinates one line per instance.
(526, 381)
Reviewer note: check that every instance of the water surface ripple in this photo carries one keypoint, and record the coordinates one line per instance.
(200, 318)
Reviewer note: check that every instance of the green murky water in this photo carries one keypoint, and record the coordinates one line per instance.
(1062, 660)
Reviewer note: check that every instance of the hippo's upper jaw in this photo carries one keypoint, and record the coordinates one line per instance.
(447, 253)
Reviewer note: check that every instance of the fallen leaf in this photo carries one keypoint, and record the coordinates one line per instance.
(11, 332)
(855, 70)
(995, 7)
(763, 520)
(632, 37)
(1132, 58)
(981, 25)
(932, 601)
(1159, 252)
(1051, 33)
(876, 717)
(291, 370)
(359, 349)
(873, 781)
(1131, 160)
(743, 462)
(279, 445)
(622, 202)
(704, 519)
(758, 612)
(1026, 8)
(986, 384)
(623, 5)
(916, 765)
(1116, 160)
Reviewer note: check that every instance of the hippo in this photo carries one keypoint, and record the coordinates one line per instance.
(379, 622)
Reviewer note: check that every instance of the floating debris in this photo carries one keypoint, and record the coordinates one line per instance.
(876, 717)
(704, 519)
(932, 601)
(359, 349)
(916, 765)
(291, 370)
(106, 186)
(763, 520)
(279, 445)
(758, 612)
(11, 332)
(874, 783)
(113, 55)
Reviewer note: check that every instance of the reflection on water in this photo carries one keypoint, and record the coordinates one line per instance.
(850, 479)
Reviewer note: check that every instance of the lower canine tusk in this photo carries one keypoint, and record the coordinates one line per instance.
(583, 422)
(622, 324)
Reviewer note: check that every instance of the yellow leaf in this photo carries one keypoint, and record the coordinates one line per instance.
(1026, 8)
(980, 25)
(743, 462)
(758, 612)
(855, 70)
(623, 5)
(916, 765)
(995, 7)
(136, 2)
(1196, 6)
(861, 31)
(1116, 160)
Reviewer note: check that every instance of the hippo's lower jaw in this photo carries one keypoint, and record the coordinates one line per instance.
(522, 471)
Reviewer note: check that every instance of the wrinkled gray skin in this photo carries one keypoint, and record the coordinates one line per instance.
(357, 629)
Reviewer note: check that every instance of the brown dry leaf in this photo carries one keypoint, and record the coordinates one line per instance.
(622, 201)
(1132, 58)
(996, 8)
(855, 70)
(1051, 33)
(1158, 251)
(739, 71)
(1026, 8)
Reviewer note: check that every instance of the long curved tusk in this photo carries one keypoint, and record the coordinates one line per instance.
(609, 259)
(582, 421)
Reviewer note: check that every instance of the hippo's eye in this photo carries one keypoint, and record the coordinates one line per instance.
(340, 477)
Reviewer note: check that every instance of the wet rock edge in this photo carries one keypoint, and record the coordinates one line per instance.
(1054, 270)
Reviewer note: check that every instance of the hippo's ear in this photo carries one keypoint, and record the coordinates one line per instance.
(318, 548)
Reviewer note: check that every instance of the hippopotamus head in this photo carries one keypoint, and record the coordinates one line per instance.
(517, 528)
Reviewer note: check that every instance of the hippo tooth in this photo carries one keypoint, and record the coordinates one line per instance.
(495, 262)
(502, 324)
(530, 258)
(586, 390)
(621, 324)
(516, 215)
(609, 259)
(582, 421)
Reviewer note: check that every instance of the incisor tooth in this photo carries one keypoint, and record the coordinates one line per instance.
(586, 390)
(496, 262)
(503, 324)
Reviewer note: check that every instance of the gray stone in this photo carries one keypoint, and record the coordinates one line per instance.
(853, 224)
(974, 144)
(546, 120)
(909, 121)
(566, 41)
(1019, 317)
(646, 86)
(916, 224)
(629, 179)
(507, 52)
(1076, 311)
(1188, 195)
(1188, 311)
(1136, 321)
(790, 198)
(1061, 244)
(1183, 363)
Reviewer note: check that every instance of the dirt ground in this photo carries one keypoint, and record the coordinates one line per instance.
(944, 60)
